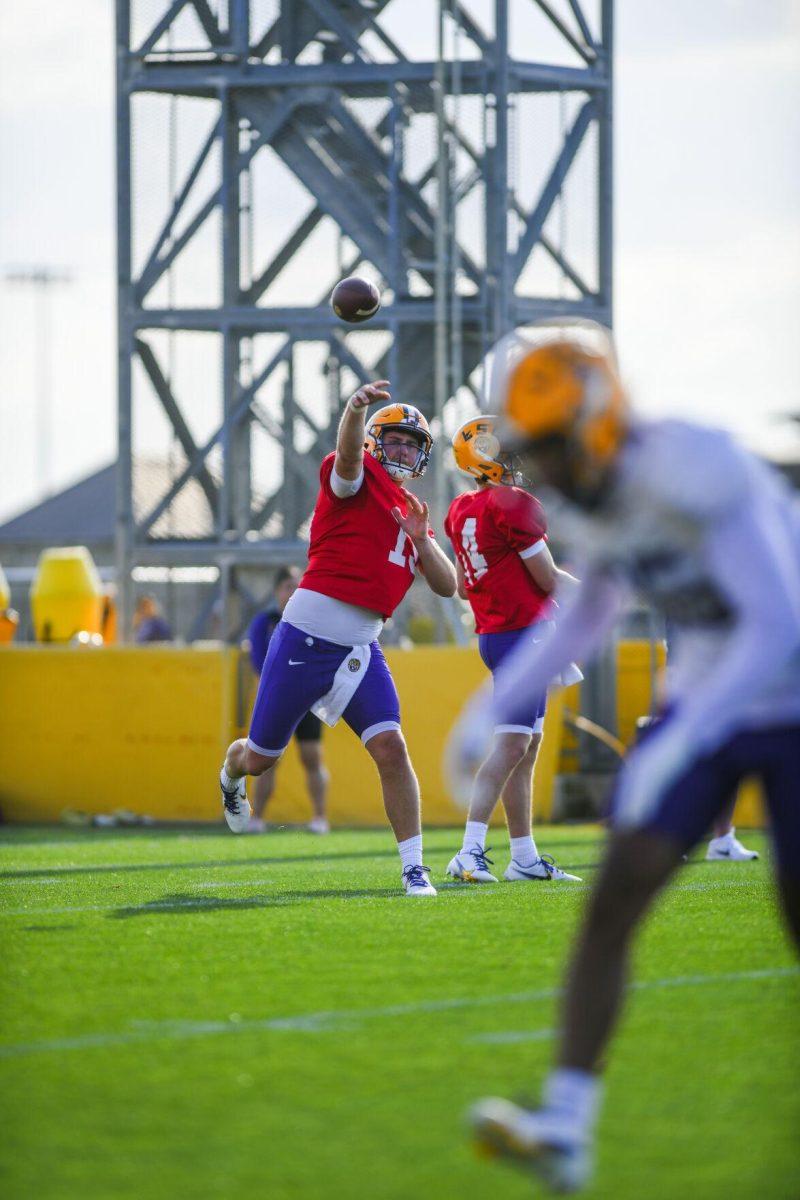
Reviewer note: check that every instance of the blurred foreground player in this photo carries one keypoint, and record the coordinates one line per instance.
(308, 733)
(711, 538)
(369, 536)
(506, 572)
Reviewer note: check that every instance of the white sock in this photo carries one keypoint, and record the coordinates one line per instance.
(575, 1097)
(411, 851)
(475, 835)
(523, 850)
(228, 782)
(725, 837)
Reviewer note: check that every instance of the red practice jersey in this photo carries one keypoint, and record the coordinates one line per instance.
(357, 552)
(489, 530)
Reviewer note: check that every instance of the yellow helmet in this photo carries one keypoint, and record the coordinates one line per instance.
(562, 379)
(477, 450)
(408, 419)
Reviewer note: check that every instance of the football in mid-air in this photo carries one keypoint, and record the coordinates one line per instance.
(355, 300)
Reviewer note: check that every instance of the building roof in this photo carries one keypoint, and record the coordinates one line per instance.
(81, 515)
(84, 514)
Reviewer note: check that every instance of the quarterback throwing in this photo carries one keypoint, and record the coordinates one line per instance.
(369, 538)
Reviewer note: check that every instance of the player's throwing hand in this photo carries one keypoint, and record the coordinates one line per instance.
(370, 393)
(416, 521)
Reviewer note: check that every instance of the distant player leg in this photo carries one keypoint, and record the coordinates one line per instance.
(780, 773)
(724, 846)
(374, 714)
(263, 789)
(557, 1138)
(636, 867)
(284, 696)
(508, 751)
(241, 760)
(398, 783)
(317, 779)
(516, 797)
(401, 801)
(527, 864)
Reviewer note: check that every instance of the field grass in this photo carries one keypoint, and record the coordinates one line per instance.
(199, 1015)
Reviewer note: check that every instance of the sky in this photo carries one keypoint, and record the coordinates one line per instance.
(707, 234)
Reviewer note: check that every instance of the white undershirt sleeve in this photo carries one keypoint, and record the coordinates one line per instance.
(535, 548)
(343, 488)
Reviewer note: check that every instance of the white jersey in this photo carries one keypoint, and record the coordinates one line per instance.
(711, 538)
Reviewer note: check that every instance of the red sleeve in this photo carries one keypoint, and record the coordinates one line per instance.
(518, 516)
(325, 471)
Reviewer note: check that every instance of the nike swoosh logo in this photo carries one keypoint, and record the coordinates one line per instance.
(300, 662)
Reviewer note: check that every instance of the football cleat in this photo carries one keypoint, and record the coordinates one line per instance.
(236, 806)
(256, 825)
(318, 825)
(544, 869)
(471, 866)
(537, 1140)
(729, 849)
(417, 883)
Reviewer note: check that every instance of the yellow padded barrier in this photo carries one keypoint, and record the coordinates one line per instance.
(138, 728)
(145, 728)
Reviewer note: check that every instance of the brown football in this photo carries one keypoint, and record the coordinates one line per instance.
(355, 300)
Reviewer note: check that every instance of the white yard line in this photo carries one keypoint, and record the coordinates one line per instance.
(336, 1019)
(36, 882)
(510, 1037)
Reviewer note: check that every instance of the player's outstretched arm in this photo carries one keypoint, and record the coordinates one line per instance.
(439, 572)
(349, 462)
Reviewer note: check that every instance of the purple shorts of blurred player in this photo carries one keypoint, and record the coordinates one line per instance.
(689, 806)
(298, 671)
(494, 649)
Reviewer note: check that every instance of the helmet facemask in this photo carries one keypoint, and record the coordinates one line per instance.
(400, 471)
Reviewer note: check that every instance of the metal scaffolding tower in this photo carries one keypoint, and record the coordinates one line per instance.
(265, 149)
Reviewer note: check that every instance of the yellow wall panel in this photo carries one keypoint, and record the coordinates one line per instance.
(635, 685)
(119, 727)
(145, 729)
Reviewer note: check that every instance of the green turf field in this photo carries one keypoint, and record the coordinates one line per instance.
(199, 1015)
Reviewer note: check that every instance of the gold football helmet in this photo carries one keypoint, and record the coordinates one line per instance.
(560, 379)
(477, 450)
(399, 417)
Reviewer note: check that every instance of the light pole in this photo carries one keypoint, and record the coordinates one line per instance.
(41, 279)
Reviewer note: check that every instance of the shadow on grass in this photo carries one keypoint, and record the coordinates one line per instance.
(47, 928)
(169, 905)
(126, 868)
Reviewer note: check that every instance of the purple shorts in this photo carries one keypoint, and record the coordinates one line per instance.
(298, 671)
(494, 649)
(688, 808)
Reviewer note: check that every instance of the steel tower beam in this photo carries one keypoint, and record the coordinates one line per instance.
(425, 191)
